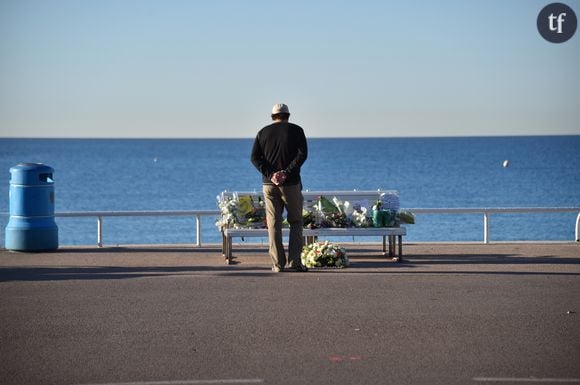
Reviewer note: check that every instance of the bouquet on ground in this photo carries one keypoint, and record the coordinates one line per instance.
(324, 254)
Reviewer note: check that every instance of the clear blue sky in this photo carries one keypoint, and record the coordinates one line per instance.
(169, 68)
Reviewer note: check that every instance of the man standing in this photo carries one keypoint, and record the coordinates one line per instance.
(278, 152)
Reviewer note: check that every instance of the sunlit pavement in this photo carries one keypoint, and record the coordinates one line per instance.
(449, 314)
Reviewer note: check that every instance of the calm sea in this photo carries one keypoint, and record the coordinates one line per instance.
(188, 174)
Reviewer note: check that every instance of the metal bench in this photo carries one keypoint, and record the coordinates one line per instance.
(391, 235)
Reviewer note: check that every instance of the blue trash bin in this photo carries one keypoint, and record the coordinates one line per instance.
(31, 226)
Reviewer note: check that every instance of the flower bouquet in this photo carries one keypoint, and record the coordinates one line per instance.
(240, 212)
(407, 217)
(327, 213)
(324, 254)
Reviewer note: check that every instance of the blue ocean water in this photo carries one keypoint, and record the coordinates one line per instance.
(103, 175)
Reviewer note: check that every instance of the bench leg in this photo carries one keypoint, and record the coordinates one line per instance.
(393, 248)
(384, 244)
(224, 245)
(229, 250)
(401, 247)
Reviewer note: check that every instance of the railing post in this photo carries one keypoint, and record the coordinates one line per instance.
(578, 228)
(100, 231)
(485, 227)
(198, 230)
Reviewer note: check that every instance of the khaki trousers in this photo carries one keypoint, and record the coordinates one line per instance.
(277, 198)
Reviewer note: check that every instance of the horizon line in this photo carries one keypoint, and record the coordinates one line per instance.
(252, 137)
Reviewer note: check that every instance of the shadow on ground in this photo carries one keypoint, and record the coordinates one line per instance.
(254, 262)
(11, 274)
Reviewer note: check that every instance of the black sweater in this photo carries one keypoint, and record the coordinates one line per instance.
(280, 146)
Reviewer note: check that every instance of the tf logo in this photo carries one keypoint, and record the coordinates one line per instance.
(557, 22)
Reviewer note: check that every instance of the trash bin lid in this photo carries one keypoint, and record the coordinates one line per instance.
(32, 166)
(31, 174)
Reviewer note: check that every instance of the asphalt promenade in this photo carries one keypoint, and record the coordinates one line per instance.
(178, 315)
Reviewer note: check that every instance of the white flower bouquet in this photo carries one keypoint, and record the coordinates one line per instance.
(328, 213)
(324, 254)
(241, 212)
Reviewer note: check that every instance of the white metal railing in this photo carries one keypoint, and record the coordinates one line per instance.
(486, 212)
(501, 210)
(161, 213)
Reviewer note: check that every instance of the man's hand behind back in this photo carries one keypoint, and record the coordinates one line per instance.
(278, 178)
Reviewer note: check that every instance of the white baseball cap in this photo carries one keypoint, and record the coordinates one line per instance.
(280, 108)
